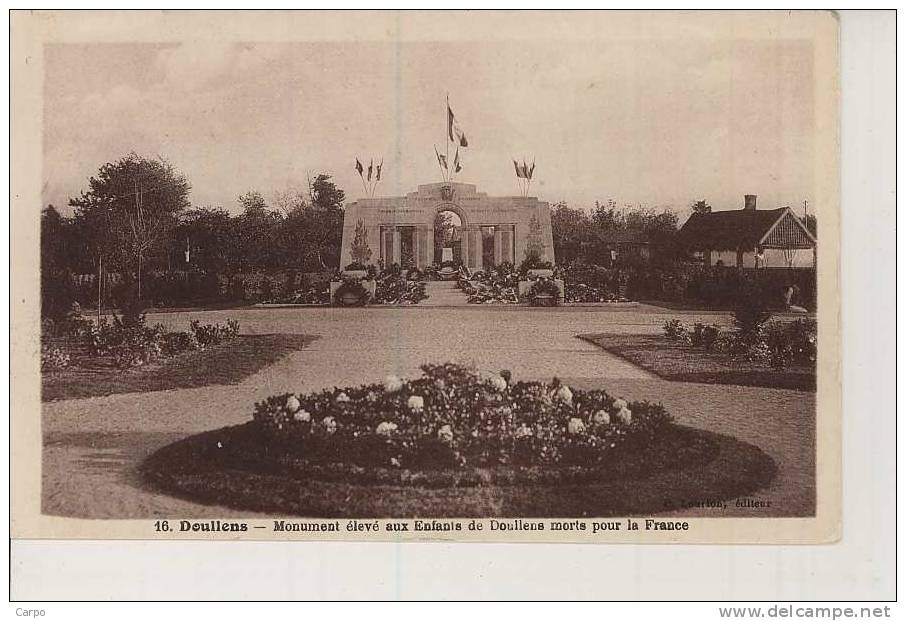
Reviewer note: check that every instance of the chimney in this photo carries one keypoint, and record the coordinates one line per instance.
(750, 202)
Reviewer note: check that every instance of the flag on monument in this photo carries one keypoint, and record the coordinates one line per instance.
(531, 170)
(370, 167)
(454, 131)
(525, 174)
(358, 166)
(441, 159)
(457, 166)
(519, 172)
(378, 175)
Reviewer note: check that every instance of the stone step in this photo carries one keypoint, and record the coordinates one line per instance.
(444, 293)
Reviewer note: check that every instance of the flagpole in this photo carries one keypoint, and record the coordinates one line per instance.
(447, 133)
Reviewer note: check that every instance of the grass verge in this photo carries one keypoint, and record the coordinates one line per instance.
(227, 363)
(682, 363)
(231, 467)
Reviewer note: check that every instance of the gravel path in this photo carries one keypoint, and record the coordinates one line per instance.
(92, 446)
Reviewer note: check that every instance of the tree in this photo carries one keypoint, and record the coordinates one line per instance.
(289, 200)
(324, 221)
(701, 206)
(53, 239)
(204, 240)
(255, 231)
(325, 194)
(56, 282)
(811, 223)
(252, 202)
(571, 230)
(607, 217)
(131, 207)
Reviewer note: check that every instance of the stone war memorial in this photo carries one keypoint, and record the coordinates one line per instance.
(448, 221)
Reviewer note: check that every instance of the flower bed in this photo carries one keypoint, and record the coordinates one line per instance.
(495, 286)
(314, 294)
(457, 444)
(452, 417)
(393, 288)
(777, 344)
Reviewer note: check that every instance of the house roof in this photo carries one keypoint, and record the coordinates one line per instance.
(729, 230)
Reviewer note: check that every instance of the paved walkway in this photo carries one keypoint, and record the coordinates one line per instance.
(92, 446)
(444, 293)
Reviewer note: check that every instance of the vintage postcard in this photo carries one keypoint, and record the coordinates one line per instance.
(469, 276)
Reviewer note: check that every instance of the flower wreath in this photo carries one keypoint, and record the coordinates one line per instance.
(544, 287)
(354, 286)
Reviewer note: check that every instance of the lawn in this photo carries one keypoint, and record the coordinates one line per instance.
(226, 363)
(683, 363)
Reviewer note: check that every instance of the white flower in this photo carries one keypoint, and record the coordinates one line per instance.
(395, 462)
(342, 398)
(619, 404)
(302, 416)
(371, 396)
(498, 383)
(445, 433)
(624, 416)
(524, 432)
(392, 383)
(416, 403)
(292, 404)
(330, 424)
(575, 426)
(564, 394)
(602, 417)
(385, 428)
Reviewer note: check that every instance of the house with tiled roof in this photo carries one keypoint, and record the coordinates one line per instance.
(750, 237)
(624, 245)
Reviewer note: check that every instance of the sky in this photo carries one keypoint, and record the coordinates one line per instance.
(657, 123)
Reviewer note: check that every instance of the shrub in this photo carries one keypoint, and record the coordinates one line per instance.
(53, 358)
(750, 315)
(674, 329)
(704, 336)
(173, 343)
(129, 342)
(793, 343)
(213, 333)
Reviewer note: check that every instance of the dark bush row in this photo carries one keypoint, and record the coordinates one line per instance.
(685, 282)
(167, 289)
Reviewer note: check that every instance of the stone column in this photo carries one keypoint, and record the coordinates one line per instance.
(396, 245)
(427, 243)
(498, 244)
(506, 248)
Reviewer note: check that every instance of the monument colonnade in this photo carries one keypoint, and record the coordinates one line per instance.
(494, 229)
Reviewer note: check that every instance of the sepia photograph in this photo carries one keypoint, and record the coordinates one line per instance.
(386, 281)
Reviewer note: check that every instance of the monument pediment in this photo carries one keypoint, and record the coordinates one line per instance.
(446, 191)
